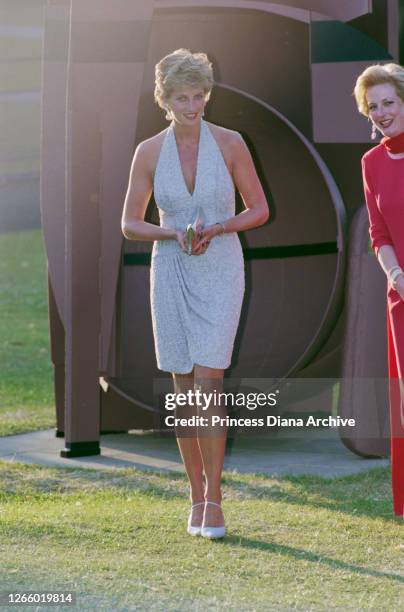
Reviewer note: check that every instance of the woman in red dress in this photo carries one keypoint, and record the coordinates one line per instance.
(379, 94)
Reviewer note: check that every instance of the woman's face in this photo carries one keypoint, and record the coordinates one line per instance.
(386, 109)
(187, 104)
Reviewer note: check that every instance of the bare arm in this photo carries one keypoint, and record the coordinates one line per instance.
(137, 198)
(248, 184)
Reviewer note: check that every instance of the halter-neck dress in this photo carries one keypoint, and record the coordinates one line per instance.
(195, 299)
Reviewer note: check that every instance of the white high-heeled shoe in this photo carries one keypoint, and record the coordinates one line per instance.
(194, 531)
(213, 533)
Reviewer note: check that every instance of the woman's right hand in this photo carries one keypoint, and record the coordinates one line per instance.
(199, 247)
(181, 238)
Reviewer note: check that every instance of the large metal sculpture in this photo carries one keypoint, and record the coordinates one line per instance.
(285, 73)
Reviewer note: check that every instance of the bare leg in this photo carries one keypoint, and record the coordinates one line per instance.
(212, 442)
(189, 448)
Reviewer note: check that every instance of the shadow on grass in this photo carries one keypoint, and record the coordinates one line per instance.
(19, 479)
(365, 494)
(341, 494)
(303, 555)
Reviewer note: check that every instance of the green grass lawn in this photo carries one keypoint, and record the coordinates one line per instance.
(118, 540)
(26, 381)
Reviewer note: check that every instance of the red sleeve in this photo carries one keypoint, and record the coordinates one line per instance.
(378, 230)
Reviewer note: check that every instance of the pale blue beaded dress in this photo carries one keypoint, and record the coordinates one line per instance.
(195, 300)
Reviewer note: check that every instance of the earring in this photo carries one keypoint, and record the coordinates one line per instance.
(168, 114)
(374, 132)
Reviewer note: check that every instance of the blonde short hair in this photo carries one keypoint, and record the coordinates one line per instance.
(182, 69)
(377, 75)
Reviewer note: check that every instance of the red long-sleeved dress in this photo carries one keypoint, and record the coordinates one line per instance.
(383, 179)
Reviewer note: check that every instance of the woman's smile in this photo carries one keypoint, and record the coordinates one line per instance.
(386, 109)
(187, 104)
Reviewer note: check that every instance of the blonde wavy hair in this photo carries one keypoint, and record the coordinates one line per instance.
(182, 69)
(377, 75)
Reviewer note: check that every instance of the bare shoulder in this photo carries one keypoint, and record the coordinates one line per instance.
(227, 139)
(148, 151)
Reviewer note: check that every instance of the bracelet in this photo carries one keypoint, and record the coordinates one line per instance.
(222, 226)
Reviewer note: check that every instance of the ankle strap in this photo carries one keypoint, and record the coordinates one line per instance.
(198, 504)
(213, 504)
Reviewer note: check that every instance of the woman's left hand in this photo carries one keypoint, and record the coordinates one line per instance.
(204, 237)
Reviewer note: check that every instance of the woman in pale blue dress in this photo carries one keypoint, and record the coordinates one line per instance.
(193, 168)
